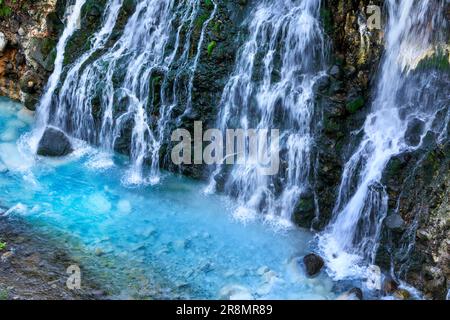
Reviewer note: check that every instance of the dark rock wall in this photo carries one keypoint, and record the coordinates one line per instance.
(418, 184)
(31, 29)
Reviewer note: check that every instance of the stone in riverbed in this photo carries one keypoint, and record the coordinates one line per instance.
(353, 294)
(313, 264)
(54, 143)
(389, 285)
(3, 42)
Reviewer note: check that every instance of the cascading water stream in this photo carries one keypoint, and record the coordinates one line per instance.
(119, 84)
(405, 99)
(285, 53)
(44, 107)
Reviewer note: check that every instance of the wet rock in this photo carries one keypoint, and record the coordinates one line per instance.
(21, 32)
(395, 222)
(54, 143)
(235, 292)
(3, 42)
(353, 294)
(335, 72)
(402, 294)
(6, 256)
(389, 285)
(28, 83)
(435, 280)
(313, 264)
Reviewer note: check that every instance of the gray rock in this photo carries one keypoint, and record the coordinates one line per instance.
(313, 264)
(54, 143)
(353, 294)
(395, 222)
(335, 72)
(21, 32)
(3, 42)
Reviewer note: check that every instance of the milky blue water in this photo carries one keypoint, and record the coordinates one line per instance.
(164, 241)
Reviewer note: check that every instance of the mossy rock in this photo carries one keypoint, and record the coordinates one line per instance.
(211, 46)
(438, 61)
(355, 105)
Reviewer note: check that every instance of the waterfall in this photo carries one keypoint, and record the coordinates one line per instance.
(112, 88)
(43, 109)
(405, 101)
(272, 87)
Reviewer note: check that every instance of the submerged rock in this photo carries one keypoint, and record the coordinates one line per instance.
(389, 285)
(313, 264)
(353, 294)
(54, 143)
(235, 292)
(402, 294)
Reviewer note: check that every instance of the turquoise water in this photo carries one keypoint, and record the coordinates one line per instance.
(164, 241)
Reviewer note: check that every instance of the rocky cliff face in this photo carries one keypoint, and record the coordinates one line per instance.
(416, 244)
(28, 34)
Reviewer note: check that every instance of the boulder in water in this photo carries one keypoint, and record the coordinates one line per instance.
(54, 143)
(389, 285)
(313, 264)
(353, 294)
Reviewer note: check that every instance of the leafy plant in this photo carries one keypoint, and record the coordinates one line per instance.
(4, 295)
(5, 10)
(2, 246)
(211, 46)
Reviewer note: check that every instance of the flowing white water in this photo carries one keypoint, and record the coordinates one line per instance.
(272, 88)
(43, 109)
(404, 100)
(113, 94)
(69, 96)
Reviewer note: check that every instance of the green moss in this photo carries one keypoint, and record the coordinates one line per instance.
(211, 46)
(327, 21)
(200, 21)
(355, 105)
(5, 10)
(439, 61)
(47, 46)
(331, 126)
(208, 4)
(4, 295)
(2, 246)
(394, 168)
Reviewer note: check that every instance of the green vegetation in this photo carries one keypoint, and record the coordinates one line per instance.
(2, 246)
(355, 105)
(439, 61)
(5, 9)
(209, 4)
(4, 294)
(211, 46)
(327, 21)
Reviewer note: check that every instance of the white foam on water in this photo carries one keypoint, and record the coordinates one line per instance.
(99, 203)
(124, 206)
(19, 208)
(100, 161)
(12, 158)
(9, 135)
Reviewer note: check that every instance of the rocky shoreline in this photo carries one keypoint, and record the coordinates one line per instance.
(34, 268)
